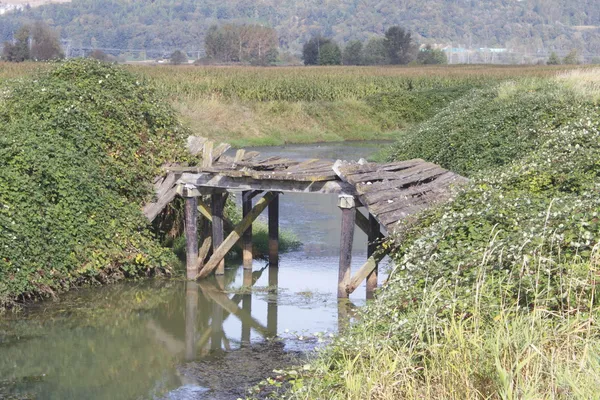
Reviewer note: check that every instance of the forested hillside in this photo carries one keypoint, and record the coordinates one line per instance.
(522, 25)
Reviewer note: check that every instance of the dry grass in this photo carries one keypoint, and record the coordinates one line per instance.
(586, 81)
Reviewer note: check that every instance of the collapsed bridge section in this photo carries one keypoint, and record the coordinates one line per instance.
(373, 196)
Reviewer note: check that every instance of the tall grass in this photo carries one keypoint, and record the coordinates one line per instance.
(475, 352)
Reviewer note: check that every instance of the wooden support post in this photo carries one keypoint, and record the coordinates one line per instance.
(274, 232)
(247, 236)
(191, 236)
(348, 206)
(234, 236)
(218, 203)
(371, 248)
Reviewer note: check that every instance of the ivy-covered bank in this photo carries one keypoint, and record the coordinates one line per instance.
(79, 146)
(492, 296)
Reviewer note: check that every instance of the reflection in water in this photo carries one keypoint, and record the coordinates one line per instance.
(178, 340)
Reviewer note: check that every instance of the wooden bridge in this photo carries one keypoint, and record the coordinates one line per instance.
(372, 196)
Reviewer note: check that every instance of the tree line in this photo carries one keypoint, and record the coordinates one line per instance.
(395, 47)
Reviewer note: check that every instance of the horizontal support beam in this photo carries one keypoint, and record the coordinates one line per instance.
(209, 180)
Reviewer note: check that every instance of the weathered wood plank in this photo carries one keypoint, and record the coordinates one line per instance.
(207, 154)
(219, 151)
(364, 271)
(152, 210)
(400, 182)
(235, 235)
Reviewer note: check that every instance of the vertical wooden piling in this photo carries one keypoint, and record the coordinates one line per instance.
(217, 205)
(371, 248)
(348, 206)
(274, 232)
(247, 236)
(191, 236)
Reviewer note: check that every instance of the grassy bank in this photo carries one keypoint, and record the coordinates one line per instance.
(492, 296)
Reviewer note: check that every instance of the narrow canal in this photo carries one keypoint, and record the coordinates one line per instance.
(170, 339)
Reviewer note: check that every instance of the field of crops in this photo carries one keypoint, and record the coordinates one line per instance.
(261, 106)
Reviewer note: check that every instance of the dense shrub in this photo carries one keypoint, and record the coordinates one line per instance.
(79, 147)
(490, 127)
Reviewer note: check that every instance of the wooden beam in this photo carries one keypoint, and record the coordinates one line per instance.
(348, 206)
(371, 248)
(207, 154)
(364, 271)
(191, 236)
(191, 315)
(219, 151)
(274, 232)
(151, 210)
(206, 212)
(220, 252)
(214, 180)
(217, 205)
(247, 235)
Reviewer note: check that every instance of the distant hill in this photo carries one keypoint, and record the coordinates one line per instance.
(522, 25)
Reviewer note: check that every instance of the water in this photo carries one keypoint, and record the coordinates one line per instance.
(170, 339)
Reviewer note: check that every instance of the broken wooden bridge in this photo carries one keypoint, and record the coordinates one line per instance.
(373, 196)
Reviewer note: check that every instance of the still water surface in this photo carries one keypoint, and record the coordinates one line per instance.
(170, 339)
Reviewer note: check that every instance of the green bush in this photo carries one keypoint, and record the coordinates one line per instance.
(490, 127)
(79, 147)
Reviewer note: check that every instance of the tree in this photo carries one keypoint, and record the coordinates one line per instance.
(571, 58)
(178, 57)
(429, 55)
(19, 50)
(45, 43)
(375, 53)
(254, 44)
(399, 46)
(553, 59)
(330, 54)
(312, 49)
(353, 53)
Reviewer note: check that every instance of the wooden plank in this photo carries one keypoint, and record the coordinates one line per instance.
(219, 151)
(235, 235)
(247, 235)
(274, 232)
(191, 236)
(152, 210)
(167, 184)
(207, 154)
(239, 155)
(392, 175)
(346, 203)
(217, 206)
(364, 271)
(401, 182)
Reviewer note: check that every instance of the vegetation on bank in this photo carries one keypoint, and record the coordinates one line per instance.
(492, 295)
(79, 147)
